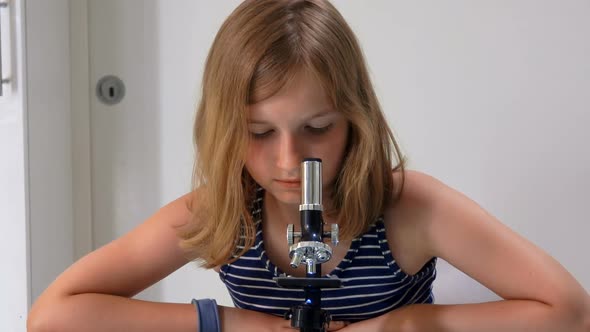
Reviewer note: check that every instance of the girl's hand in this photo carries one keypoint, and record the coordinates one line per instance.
(337, 325)
(395, 321)
(376, 324)
(366, 325)
(234, 319)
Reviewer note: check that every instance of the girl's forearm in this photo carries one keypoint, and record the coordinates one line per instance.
(100, 312)
(506, 316)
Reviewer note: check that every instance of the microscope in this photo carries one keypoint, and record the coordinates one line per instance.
(311, 251)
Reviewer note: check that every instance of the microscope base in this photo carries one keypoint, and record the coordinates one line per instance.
(308, 319)
(309, 316)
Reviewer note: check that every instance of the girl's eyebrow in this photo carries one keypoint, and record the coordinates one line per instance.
(322, 114)
(315, 116)
(256, 122)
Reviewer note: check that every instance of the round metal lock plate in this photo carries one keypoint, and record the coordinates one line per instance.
(110, 90)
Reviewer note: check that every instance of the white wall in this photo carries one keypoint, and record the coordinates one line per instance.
(492, 98)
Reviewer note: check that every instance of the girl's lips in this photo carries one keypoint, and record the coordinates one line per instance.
(289, 183)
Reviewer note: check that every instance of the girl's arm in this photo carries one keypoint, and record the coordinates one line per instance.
(94, 293)
(540, 295)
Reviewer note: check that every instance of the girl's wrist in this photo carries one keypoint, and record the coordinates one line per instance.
(399, 320)
(234, 319)
(208, 315)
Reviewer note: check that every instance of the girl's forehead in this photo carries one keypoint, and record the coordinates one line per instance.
(285, 109)
(304, 91)
(287, 81)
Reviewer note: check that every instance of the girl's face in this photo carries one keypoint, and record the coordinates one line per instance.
(296, 123)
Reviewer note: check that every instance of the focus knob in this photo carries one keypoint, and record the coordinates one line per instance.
(334, 234)
(292, 235)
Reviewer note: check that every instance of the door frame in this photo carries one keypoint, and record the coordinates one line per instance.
(81, 142)
(58, 137)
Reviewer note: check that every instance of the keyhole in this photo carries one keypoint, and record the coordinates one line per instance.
(110, 90)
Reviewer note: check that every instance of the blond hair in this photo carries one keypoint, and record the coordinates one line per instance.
(258, 49)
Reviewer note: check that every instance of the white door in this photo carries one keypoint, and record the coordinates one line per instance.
(142, 147)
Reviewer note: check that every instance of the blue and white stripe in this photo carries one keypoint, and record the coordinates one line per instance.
(372, 281)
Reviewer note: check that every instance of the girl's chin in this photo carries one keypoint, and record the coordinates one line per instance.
(287, 197)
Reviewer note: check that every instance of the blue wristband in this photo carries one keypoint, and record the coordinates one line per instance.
(208, 315)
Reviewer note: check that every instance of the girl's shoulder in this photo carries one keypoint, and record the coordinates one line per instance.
(406, 219)
(416, 197)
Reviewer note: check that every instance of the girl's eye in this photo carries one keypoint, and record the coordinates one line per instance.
(318, 130)
(261, 135)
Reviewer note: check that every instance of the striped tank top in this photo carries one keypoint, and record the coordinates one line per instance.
(372, 282)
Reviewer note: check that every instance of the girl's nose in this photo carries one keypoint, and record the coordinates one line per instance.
(290, 154)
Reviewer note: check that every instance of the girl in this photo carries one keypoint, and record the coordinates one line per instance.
(286, 80)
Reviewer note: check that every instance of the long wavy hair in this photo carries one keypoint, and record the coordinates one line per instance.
(258, 49)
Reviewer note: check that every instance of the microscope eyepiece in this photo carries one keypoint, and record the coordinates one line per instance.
(311, 180)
